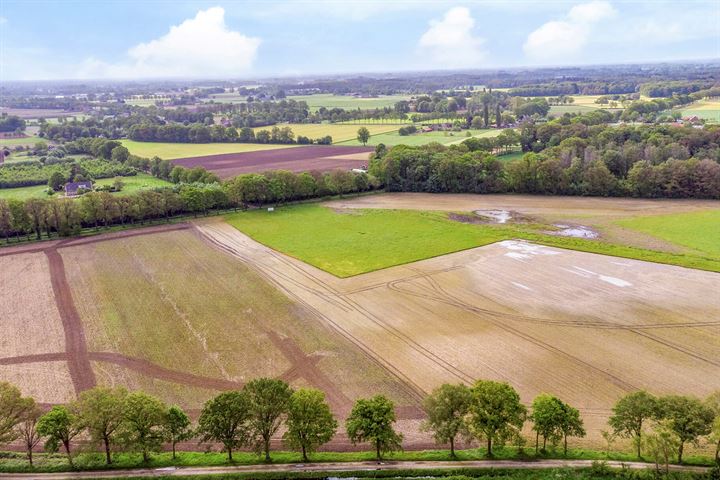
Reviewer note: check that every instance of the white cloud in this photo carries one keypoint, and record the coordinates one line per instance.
(451, 42)
(199, 47)
(558, 41)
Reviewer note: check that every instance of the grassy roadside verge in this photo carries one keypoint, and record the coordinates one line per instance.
(15, 462)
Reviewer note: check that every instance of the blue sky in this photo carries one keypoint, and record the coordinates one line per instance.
(243, 39)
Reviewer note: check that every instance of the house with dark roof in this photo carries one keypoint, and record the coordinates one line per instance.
(72, 188)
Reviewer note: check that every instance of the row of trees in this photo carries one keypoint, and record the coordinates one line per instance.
(487, 411)
(66, 216)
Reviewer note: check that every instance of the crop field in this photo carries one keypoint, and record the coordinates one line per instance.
(444, 137)
(512, 310)
(170, 151)
(359, 235)
(295, 159)
(25, 141)
(347, 102)
(708, 109)
(186, 310)
(582, 104)
(340, 132)
(141, 181)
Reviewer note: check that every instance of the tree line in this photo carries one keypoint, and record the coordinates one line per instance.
(564, 157)
(196, 192)
(490, 412)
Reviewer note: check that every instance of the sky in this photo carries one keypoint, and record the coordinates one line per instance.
(132, 39)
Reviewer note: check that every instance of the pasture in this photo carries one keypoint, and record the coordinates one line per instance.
(340, 132)
(140, 181)
(170, 151)
(358, 235)
(347, 102)
(707, 109)
(24, 141)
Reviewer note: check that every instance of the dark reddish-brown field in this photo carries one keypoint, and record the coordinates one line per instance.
(294, 159)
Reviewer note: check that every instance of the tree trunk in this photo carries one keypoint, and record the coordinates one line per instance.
(717, 452)
(489, 446)
(680, 451)
(639, 441)
(145, 455)
(452, 447)
(537, 442)
(67, 451)
(305, 458)
(229, 454)
(173, 449)
(377, 449)
(544, 443)
(267, 449)
(108, 458)
(565, 447)
(29, 455)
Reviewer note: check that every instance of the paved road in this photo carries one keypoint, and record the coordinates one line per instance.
(329, 468)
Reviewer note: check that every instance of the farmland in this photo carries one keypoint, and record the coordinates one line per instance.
(429, 296)
(347, 102)
(423, 138)
(25, 141)
(297, 159)
(512, 310)
(338, 238)
(170, 151)
(339, 132)
(708, 109)
(132, 184)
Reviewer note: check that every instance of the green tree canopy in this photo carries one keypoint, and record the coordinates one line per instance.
(144, 418)
(310, 423)
(224, 419)
(176, 427)
(547, 416)
(363, 135)
(268, 401)
(13, 406)
(630, 414)
(371, 420)
(101, 410)
(688, 417)
(446, 408)
(496, 413)
(60, 425)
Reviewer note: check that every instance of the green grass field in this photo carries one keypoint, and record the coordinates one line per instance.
(708, 109)
(340, 132)
(132, 184)
(445, 138)
(360, 241)
(699, 231)
(12, 142)
(169, 151)
(347, 102)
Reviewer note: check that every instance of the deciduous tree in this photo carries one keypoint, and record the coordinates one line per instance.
(268, 402)
(101, 410)
(371, 420)
(630, 414)
(495, 412)
(225, 419)
(144, 417)
(688, 417)
(176, 427)
(310, 423)
(60, 425)
(446, 408)
(363, 135)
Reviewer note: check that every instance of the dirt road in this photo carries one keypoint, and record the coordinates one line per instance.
(335, 467)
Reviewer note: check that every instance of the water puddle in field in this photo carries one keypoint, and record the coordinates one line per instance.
(523, 250)
(497, 216)
(576, 231)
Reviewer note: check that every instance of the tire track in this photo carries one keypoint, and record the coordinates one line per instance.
(81, 371)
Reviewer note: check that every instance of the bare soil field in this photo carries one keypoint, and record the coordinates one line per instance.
(294, 159)
(37, 112)
(521, 313)
(599, 214)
